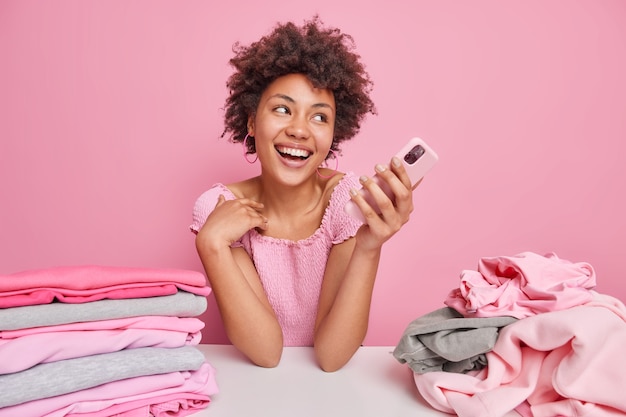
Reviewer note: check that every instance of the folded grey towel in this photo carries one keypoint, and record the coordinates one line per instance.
(62, 377)
(181, 304)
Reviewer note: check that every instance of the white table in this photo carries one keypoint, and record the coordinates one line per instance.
(373, 383)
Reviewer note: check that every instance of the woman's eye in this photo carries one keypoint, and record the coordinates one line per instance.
(282, 110)
(320, 117)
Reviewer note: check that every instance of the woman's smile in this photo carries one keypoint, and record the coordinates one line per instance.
(293, 152)
(293, 157)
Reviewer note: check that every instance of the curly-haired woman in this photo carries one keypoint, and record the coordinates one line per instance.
(287, 265)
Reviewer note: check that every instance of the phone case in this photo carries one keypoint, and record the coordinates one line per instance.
(418, 158)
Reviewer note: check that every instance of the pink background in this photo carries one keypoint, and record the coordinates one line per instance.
(110, 122)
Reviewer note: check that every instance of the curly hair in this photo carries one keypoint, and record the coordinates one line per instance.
(324, 55)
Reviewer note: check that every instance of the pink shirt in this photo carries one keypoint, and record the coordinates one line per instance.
(292, 271)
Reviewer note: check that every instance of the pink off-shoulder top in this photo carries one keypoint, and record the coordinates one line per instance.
(292, 271)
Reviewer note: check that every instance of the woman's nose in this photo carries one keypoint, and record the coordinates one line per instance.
(298, 128)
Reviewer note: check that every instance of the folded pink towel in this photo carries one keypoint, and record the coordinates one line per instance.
(80, 284)
(192, 389)
(55, 343)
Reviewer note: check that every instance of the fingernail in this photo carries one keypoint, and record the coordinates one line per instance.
(353, 191)
(380, 168)
(396, 161)
(363, 178)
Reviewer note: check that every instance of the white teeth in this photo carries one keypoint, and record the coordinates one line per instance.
(299, 153)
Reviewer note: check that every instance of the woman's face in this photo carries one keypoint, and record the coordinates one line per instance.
(293, 128)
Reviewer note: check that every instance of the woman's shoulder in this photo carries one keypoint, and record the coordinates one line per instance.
(340, 190)
(247, 188)
(349, 180)
(206, 202)
(229, 191)
(341, 224)
(212, 194)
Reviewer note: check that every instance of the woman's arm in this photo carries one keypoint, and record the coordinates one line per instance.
(344, 305)
(345, 297)
(248, 318)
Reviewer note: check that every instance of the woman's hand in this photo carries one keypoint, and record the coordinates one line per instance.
(230, 220)
(394, 213)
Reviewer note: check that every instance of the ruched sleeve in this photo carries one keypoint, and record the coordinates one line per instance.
(206, 203)
(342, 225)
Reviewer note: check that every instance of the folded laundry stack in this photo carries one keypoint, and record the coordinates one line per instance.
(97, 341)
(526, 333)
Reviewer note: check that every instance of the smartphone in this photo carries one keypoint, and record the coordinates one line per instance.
(418, 158)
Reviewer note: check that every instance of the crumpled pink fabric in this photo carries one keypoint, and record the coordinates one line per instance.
(85, 283)
(522, 285)
(562, 363)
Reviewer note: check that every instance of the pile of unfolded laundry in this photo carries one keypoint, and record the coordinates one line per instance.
(95, 341)
(525, 333)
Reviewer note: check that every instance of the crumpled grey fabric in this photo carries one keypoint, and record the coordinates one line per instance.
(444, 340)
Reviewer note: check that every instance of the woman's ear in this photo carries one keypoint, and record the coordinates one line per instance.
(251, 125)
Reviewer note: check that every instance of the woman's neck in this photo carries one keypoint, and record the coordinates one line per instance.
(285, 200)
(294, 212)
